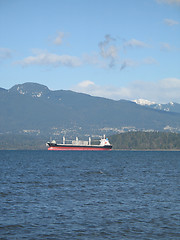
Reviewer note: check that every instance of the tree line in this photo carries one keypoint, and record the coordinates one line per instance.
(22, 142)
(146, 140)
(122, 141)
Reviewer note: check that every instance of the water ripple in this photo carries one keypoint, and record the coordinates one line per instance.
(113, 195)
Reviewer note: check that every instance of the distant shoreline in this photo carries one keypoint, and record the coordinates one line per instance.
(129, 141)
(148, 150)
(123, 150)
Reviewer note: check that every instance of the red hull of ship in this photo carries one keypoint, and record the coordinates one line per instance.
(78, 149)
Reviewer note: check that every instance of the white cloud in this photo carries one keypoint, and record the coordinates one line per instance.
(86, 84)
(166, 47)
(177, 2)
(45, 58)
(131, 63)
(91, 88)
(163, 91)
(58, 40)
(128, 63)
(170, 22)
(108, 50)
(111, 54)
(5, 53)
(108, 56)
(135, 43)
(170, 83)
(94, 59)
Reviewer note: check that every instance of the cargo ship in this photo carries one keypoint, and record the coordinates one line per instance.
(78, 145)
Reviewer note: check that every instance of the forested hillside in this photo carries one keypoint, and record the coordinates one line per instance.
(22, 142)
(146, 140)
(123, 141)
(33, 108)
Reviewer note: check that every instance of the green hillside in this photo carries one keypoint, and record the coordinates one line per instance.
(146, 140)
(33, 107)
(22, 142)
(123, 141)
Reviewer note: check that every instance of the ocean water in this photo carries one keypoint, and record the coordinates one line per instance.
(89, 195)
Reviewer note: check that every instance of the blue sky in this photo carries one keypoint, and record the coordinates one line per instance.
(119, 49)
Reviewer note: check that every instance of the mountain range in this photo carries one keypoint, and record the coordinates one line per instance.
(34, 109)
(169, 107)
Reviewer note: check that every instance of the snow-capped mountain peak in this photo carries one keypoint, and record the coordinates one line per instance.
(144, 102)
(168, 107)
(31, 89)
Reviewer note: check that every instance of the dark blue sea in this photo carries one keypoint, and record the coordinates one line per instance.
(89, 195)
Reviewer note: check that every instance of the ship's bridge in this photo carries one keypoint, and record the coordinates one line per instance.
(104, 142)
